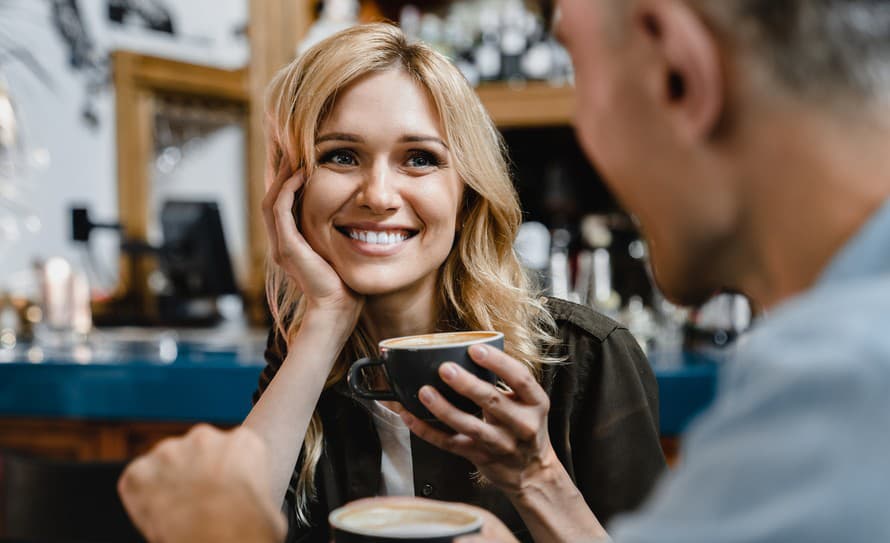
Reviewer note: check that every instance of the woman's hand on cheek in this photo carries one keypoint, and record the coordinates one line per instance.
(324, 290)
(510, 444)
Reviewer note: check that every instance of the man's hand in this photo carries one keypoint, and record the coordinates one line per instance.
(209, 485)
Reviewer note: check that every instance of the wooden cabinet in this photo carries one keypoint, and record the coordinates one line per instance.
(114, 440)
(533, 104)
(85, 439)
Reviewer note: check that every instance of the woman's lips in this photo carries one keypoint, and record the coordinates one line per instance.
(382, 242)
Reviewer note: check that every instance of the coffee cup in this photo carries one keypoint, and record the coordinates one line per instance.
(413, 361)
(403, 520)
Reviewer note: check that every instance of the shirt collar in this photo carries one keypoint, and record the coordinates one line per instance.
(866, 254)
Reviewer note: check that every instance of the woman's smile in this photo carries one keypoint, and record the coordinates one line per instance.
(373, 240)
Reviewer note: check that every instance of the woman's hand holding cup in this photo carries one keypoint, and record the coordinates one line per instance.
(510, 444)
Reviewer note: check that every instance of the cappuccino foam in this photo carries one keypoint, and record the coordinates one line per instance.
(445, 338)
(406, 521)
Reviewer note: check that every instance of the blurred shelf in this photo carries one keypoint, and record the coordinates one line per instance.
(529, 105)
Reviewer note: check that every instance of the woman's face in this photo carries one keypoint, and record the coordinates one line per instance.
(382, 205)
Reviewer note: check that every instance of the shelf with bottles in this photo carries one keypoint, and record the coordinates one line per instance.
(501, 46)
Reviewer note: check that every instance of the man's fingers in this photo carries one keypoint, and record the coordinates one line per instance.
(134, 489)
(137, 474)
(515, 374)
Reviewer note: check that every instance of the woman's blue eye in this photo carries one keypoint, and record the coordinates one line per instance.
(338, 158)
(422, 160)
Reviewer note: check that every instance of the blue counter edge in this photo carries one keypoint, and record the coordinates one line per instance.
(221, 393)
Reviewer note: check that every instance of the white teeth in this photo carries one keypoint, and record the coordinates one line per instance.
(377, 238)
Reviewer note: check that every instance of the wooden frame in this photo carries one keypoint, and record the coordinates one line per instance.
(275, 28)
(139, 80)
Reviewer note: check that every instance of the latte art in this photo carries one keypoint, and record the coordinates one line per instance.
(406, 520)
(436, 340)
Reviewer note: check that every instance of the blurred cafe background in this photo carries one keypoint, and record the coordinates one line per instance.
(131, 244)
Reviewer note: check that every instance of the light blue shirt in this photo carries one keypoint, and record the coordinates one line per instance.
(796, 447)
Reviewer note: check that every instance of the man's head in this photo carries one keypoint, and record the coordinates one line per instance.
(686, 106)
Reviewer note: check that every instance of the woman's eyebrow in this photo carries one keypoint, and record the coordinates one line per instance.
(339, 136)
(411, 138)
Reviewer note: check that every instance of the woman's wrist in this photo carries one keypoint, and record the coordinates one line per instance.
(552, 506)
(323, 331)
(342, 317)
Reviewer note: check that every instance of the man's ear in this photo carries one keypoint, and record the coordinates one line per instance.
(691, 85)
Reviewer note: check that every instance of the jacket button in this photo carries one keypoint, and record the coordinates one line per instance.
(427, 490)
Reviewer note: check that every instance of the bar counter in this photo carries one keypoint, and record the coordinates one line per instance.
(214, 384)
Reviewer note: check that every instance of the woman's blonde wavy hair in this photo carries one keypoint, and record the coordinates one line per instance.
(482, 284)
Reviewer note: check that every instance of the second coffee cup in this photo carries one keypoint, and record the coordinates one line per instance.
(413, 361)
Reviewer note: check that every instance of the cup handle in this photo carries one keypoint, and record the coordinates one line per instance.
(354, 379)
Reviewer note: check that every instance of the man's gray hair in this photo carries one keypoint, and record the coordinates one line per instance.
(815, 47)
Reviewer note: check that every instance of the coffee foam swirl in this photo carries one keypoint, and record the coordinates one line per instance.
(401, 520)
(431, 340)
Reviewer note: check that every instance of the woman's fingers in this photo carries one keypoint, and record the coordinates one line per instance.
(458, 444)
(519, 419)
(495, 438)
(275, 180)
(285, 239)
(286, 229)
(515, 374)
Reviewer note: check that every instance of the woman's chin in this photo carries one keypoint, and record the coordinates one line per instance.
(373, 287)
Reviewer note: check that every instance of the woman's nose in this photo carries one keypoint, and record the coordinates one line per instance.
(378, 192)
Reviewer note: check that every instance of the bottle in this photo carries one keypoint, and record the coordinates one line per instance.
(560, 270)
(601, 294)
(513, 41)
(487, 52)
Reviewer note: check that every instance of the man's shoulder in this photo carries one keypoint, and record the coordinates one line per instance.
(844, 327)
(791, 443)
(822, 357)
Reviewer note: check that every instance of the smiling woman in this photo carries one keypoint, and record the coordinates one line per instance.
(382, 204)
(390, 213)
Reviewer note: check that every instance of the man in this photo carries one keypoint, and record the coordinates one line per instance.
(751, 140)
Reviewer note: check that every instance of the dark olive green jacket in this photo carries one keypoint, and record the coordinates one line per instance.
(603, 425)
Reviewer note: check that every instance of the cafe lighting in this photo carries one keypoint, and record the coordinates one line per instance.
(7, 339)
(34, 314)
(35, 355)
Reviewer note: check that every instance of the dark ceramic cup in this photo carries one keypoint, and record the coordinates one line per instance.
(413, 361)
(403, 520)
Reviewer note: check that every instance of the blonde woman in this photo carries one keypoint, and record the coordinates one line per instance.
(390, 213)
